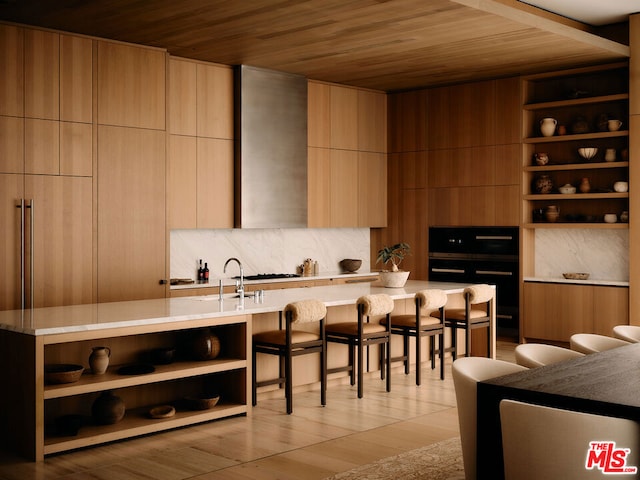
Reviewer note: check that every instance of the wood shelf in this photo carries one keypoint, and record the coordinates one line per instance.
(574, 196)
(581, 136)
(577, 225)
(111, 380)
(619, 97)
(136, 422)
(575, 166)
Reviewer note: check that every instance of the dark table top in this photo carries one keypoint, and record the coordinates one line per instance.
(605, 383)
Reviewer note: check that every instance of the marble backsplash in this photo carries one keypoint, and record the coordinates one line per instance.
(603, 253)
(266, 250)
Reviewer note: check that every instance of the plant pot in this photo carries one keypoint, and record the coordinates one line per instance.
(394, 279)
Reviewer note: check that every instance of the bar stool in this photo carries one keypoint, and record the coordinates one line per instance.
(360, 334)
(419, 326)
(288, 343)
(478, 302)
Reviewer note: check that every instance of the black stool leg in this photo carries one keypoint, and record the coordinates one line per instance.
(254, 393)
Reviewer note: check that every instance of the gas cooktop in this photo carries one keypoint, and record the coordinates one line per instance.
(269, 276)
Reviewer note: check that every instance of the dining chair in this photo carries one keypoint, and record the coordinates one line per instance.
(478, 302)
(288, 343)
(629, 333)
(363, 333)
(467, 372)
(544, 442)
(419, 325)
(532, 355)
(592, 342)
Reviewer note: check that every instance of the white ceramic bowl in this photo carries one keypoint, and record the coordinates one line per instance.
(567, 188)
(621, 187)
(610, 218)
(587, 152)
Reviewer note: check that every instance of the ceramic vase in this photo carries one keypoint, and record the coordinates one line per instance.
(543, 184)
(206, 345)
(108, 409)
(548, 126)
(99, 360)
(585, 185)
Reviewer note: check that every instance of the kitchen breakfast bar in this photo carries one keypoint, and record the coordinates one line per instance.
(31, 411)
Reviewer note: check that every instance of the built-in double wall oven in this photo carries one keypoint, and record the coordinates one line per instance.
(480, 255)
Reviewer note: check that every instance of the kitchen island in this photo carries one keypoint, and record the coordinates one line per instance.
(29, 339)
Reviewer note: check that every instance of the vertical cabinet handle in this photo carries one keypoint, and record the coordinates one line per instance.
(22, 293)
(31, 264)
(23, 290)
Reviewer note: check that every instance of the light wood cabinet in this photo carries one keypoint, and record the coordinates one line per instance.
(131, 220)
(201, 157)
(76, 79)
(553, 312)
(12, 68)
(41, 74)
(131, 86)
(347, 167)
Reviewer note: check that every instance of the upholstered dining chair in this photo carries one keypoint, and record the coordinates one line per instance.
(592, 342)
(532, 355)
(629, 333)
(420, 325)
(544, 442)
(478, 302)
(467, 372)
(289, 342)
(362, 333)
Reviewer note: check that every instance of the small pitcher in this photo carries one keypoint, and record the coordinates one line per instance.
(548, 126)
(99, 360)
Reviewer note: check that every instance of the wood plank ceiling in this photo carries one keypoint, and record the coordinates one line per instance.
(387, 45)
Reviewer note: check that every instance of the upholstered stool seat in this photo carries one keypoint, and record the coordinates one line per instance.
(421, 325)
(362, 333)
(288, 343)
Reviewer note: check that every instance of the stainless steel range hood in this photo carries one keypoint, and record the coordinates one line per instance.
(271, 149)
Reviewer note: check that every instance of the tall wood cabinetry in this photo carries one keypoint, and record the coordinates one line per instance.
(46, 168)
(347, 179)
(200, 154)
(131, 171)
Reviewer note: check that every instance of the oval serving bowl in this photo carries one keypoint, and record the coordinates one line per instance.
(57, 373)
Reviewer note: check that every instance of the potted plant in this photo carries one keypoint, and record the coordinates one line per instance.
(393, 256)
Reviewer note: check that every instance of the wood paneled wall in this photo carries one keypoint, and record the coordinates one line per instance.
(454, 159)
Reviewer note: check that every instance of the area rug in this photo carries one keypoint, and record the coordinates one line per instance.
(440, 461)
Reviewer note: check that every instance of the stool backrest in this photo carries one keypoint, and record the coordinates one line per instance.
(480, 293)
(306, 311)
(433, 298)
(378, 304)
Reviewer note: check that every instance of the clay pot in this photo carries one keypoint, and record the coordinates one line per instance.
(206, 345)
(543, 184)
(552, 213)
(585, 186)
(99, 360)
(108, 409)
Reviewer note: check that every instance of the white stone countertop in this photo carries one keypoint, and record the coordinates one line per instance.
(102, 316)
(226, 281)
(589, 281)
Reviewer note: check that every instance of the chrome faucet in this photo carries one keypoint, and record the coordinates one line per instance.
(240, 284)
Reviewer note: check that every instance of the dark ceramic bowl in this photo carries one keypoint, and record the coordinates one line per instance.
(56, 373)
(162, 356)
(201, 403)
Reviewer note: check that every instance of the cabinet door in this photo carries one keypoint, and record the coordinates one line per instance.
(215, 183)
(11, 191)
(319, 115)
(215, 101)
(63, 239)
(182, 97)
(42, 146)
(11, 144)
(182, 182)
(555, 312)
(344, 188)
(610, 308)
(372, 189)
(12, 68)
(319, 187)
(344, 118)
(76, 79)
(131, 213)
(372, 121)
(131, 86)
(41, 74)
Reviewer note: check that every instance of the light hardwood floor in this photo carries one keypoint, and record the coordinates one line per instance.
(312, 443)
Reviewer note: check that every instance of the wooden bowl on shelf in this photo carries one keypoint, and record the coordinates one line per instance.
(57, 373)
(576, 276)
(201, 403)
(350, 264)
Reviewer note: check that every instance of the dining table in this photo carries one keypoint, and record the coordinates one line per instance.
(604, 383)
